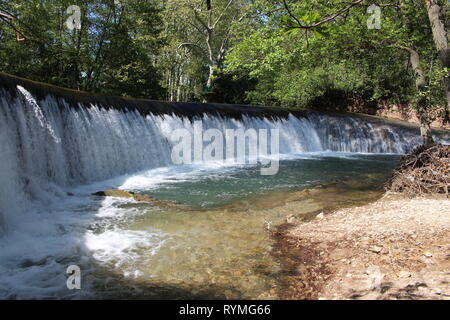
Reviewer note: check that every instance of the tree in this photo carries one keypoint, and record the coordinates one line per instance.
(125, 49)
(437, 16)
(207, 29)
(335, 54)
(114, 51)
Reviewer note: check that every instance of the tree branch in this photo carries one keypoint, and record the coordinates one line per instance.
(8, 18)
(222, 13)
(199, 19)
(187, 44)
(291, 14)
(324, 20)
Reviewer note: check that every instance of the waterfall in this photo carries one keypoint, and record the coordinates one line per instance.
(354, 134)
(47, 144)
(53, 142)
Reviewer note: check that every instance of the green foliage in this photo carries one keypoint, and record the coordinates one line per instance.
(112, 53)
(198, 40)
(432, 94)
(230, 88)
(294, 67)
(259, 52)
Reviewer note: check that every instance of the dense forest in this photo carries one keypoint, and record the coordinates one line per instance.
(291, 54)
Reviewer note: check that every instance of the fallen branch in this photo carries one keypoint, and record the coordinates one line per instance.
(426, 170)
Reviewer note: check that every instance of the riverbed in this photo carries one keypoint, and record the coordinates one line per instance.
(210, 233)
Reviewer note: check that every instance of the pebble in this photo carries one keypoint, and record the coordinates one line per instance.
(404, 274)
(375, 249)
(427, 260)
(291, 218)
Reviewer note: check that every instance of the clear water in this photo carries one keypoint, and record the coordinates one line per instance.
(207, 235)
(302, 171)
(215, 242)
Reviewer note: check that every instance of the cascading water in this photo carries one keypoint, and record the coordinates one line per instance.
(50, 142)
(352, 134)
(48, 147)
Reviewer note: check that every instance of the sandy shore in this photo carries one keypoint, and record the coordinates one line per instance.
(394, 248)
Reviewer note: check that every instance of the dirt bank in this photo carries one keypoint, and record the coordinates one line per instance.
(394, 248)
(405, 113)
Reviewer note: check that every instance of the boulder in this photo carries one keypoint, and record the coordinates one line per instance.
(143, 197)
(114, 193)
(291, 219)
(124, 194)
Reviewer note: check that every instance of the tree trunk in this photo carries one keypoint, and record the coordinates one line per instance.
(425, 129)
(211, 74)
(435, 15)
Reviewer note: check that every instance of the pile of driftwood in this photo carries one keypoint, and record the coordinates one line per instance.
(425, 170)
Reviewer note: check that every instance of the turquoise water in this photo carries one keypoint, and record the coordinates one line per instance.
(216, 243)
(213, 240)
(225, 186)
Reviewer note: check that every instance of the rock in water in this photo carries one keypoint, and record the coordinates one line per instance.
(143, 197)
(124, 194)
(320, 216)
(114, 193)
(291, 219)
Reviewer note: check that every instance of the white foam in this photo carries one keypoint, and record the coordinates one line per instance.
(48, 148)
(124, 249)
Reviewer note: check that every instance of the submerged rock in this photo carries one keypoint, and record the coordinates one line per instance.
(143, 197)
(291, 219)
(114, 193)
(320, 216)
(124, 194)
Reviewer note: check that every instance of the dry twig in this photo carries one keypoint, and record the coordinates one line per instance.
(426, 170)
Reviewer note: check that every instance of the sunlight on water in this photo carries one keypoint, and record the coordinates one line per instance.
(205, 234)
(213, 247)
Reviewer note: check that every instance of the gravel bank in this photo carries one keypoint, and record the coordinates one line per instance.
(394, 248)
